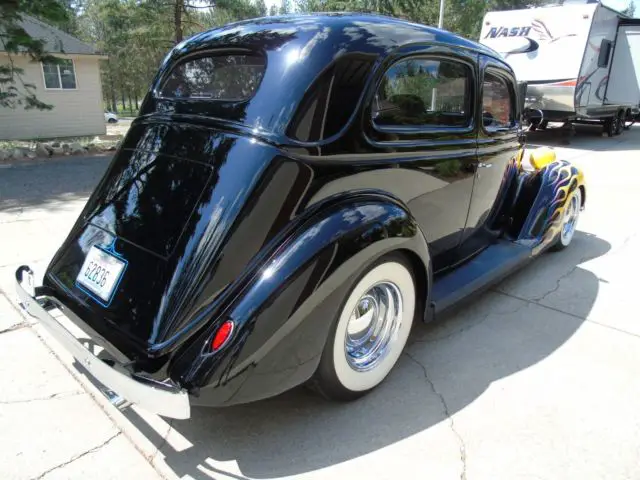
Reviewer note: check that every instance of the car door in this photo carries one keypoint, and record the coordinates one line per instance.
(423, 111)
(498, 143)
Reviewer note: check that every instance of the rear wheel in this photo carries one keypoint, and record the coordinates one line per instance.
(370, 332)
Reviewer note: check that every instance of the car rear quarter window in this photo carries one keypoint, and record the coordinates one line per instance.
(424, 92)
(215, 77)
(331, 99)
(497, 104)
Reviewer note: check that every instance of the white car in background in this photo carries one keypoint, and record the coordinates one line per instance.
(110, 117)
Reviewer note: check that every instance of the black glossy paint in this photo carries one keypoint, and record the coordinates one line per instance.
(265, 211)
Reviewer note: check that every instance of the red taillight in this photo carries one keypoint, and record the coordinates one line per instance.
(222, 335)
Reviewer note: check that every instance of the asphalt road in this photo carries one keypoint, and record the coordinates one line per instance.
(539, 378)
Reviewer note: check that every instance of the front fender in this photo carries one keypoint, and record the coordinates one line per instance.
(285, 312)
(554, 182)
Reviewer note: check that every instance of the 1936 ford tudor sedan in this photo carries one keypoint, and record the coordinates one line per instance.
(294, 195)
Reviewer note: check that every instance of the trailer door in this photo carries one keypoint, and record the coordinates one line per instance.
(624, 78)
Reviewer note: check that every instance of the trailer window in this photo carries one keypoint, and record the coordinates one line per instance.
(497, 103)
(220, 77)
(420, 91)
(605, 52)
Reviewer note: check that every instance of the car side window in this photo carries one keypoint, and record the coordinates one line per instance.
(424, 92)
(497, 105)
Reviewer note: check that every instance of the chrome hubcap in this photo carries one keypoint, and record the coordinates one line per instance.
(373, 326)
(570, 219)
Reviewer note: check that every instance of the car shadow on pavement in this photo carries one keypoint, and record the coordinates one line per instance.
(448, 365)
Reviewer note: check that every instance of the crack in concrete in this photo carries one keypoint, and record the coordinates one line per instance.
(558, 281)
(569, 314)
(470, 326)
(557, 287)
(15, 327)
(445, 407)
(624, 244)
(77, 457)
(451, 334)
(41, 399)
(573, 269)
(162, 443)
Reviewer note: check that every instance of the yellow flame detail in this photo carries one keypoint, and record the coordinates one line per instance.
(558, 202)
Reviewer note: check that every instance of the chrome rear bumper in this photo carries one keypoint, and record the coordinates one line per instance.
(155, 397)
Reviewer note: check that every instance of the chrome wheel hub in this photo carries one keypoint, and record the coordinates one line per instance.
(570, 219)
(373, 326)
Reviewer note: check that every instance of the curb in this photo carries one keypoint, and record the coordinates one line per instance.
(55, 159)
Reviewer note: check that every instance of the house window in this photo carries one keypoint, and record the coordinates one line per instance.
(59, 75)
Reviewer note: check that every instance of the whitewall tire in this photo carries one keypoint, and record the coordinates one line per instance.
(570, 215)
(370, 332)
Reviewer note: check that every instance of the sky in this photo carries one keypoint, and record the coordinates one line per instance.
(622, 4)
(615, 4)
(272, 2)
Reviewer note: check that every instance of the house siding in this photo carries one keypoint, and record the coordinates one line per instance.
(75, 113)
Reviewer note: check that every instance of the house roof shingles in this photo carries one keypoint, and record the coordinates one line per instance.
(56, 41)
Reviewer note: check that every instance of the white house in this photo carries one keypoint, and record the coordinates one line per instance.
(72, 87)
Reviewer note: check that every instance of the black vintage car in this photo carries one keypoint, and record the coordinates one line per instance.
(295, 194)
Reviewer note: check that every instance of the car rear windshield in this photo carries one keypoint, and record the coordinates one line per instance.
(221, 77)
(148, 199)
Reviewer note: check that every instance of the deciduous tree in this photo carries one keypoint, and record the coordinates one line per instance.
(14, 40)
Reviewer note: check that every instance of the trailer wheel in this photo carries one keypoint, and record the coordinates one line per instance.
(608, 127)
(629, 120)
(619, 123)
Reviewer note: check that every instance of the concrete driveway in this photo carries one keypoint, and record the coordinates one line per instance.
(539, 378)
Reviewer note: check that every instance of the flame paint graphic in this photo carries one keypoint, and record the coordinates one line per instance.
(544, 219)
(562, 178)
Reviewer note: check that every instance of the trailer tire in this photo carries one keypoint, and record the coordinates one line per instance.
(628, 119)
(608, 127)
(619, 123)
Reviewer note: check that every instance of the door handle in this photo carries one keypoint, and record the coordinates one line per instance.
(485, 165)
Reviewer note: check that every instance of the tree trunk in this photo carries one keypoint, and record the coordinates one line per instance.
(124, 105)
(135, 96)
(130, 106)
(112, 89)
(177, 19)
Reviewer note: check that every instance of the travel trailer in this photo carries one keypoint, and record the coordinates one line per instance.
(578, 60)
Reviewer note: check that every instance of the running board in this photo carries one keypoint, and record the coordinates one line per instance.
(484, 270)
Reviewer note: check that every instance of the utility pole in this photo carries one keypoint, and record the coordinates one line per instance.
(434, 92)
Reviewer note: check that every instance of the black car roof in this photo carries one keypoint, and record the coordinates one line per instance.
(298, 48)
(382, 33)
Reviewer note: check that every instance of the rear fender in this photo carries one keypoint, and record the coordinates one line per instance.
(284, 313)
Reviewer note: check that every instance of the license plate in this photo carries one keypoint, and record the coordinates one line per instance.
(100, 273)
